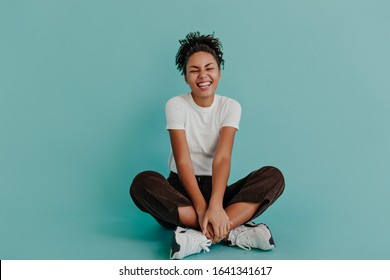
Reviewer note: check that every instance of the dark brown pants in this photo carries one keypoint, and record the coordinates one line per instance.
(161, 197)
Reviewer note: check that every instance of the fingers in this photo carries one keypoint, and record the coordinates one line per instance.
(220, 232)
(216, 235)
(224, 231)
(210, 232)
(228, 227)
(204, 224)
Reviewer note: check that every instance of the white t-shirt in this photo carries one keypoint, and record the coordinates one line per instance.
(202, 126)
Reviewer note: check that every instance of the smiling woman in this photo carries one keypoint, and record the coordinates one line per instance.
(195, 199)
(202, 75)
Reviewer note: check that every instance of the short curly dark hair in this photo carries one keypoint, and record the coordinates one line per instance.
(195, 42)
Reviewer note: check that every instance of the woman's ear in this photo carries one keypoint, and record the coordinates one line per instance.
(185, 78)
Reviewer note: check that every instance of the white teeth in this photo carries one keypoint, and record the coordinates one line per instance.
(204, 84)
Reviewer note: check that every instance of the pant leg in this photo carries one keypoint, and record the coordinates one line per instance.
(264, 185)
(154, 194)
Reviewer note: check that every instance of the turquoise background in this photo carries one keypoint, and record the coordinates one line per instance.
(83, 86)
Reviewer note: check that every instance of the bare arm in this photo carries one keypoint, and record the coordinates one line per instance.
(185, 170)
(221, 164)
(215, 214)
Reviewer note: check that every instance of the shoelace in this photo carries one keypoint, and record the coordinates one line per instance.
(243, 240)
(205, 245)
(199, 240)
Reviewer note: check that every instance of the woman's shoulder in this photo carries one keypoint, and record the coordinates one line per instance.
(178, 101)
(228, 101)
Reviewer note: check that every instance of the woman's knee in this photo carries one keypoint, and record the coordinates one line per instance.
(275, 172)
(143, 181)
(278, 178)
(274, 175)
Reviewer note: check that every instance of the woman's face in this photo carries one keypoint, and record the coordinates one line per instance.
(202, 75)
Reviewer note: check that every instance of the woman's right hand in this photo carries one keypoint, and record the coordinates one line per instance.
(209, 232)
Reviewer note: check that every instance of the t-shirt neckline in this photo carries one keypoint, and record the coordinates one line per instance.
(200, 108)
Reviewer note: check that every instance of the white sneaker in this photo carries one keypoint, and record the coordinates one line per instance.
(186, 241)
(250, 235)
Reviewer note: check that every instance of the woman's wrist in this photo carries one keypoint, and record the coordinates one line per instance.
(200, 208)
(215, 203)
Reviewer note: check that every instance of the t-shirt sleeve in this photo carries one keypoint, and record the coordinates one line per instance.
(175, 114)
(231, 114)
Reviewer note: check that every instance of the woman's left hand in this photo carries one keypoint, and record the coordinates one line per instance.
(219, 221)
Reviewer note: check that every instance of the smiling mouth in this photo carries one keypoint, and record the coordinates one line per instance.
(204, 85)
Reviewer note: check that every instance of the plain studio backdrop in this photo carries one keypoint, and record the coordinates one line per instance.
(83, 86)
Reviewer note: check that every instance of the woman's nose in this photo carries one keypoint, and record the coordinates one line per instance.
(202, 73)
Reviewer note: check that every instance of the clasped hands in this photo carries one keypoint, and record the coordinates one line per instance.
(214, 223)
